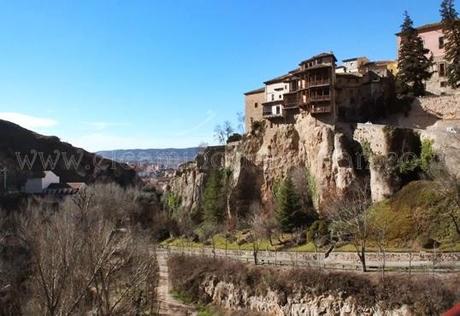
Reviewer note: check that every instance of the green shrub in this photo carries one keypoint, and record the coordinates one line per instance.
(427, 154)
(318, 230)
(289, 211)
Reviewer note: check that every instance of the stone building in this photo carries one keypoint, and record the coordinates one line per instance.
(433, 40)
(316, 87)
(354, 65)
(383, 68)
(253, 107)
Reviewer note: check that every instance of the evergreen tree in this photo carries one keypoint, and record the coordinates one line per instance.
(413, 63)
(214, 198)
(289, 208)
(451, 29)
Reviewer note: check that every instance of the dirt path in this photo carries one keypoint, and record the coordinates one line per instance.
(168, 304)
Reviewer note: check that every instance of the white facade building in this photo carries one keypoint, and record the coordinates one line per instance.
(274, 96)
(353, 65)
(38, 185)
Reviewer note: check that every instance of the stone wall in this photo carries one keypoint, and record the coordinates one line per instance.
(336, 260)
(443, 107)
(253, 107)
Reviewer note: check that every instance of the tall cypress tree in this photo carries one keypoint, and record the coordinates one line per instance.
(213, 198)
(413, 63)
(451, 29)
(289, 208)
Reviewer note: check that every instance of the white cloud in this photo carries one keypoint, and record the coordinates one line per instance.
(27, 121)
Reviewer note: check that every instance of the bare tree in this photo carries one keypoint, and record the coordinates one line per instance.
(350, 218)
(240, 120)
(223, 132)
(448, 185)
(82, 262)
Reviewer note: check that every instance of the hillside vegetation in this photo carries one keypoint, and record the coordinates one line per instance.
(415, 217)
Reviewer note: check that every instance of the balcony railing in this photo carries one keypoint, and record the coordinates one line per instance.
(316, 109)
(314, 98)
(270, 114)
(315, 83)
(291, 100)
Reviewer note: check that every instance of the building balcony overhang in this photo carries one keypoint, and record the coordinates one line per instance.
(318, 109)
(275, 102)
(270, 115)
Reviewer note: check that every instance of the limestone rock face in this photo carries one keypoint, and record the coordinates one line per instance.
(189, 180)
(325, 153)
(276, 303)
(308, 146)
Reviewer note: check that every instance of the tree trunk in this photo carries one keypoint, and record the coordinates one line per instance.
(255, 252)
(456, 224)
(362, 258)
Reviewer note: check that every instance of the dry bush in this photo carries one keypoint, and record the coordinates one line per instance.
(425, 295)
(84, 260)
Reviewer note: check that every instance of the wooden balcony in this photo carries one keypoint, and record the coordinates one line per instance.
(315, 98)
(270, 114)
(318, 83)
(291, 100)
(318, 109)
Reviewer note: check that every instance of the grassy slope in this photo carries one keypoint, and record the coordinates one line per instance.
(409, 218)
(413, 215)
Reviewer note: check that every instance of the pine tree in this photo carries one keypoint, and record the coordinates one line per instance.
(413, 62)
(451, 29)
(213, 198)
(289, 208)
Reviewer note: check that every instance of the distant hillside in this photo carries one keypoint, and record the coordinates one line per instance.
(24, 153)
(169, 157)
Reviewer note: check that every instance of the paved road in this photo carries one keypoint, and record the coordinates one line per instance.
(168, 304)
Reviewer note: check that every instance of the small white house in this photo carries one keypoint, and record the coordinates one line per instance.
(38, 185)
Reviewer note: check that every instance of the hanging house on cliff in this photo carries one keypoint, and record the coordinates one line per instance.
(320, 88)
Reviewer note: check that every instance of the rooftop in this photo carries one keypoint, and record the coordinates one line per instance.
(278, 79)
(354, 58)
(330, 54)
(259, 90)
(427, 27)
(379, 62)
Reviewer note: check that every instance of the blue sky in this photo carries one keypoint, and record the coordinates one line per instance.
(108, 74)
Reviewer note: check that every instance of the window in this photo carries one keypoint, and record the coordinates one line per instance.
(443, 84)
(442, 70)
(280, 96)
(256, 105)
(273, 97)
(278, 110)
(441, 42)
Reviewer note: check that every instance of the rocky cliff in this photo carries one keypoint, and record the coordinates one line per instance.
(318, 150)
(276, 303)
(330, 156)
